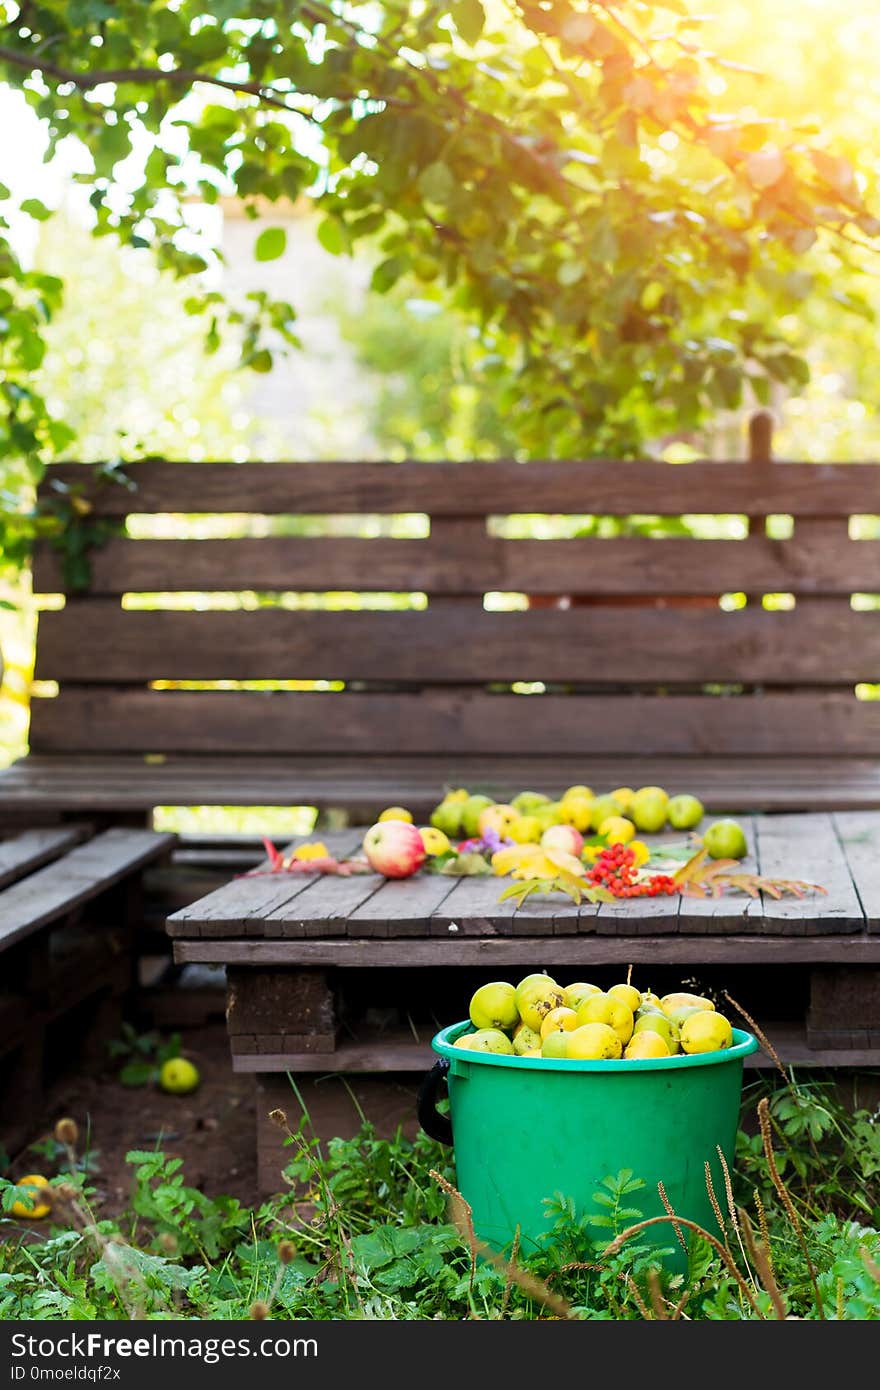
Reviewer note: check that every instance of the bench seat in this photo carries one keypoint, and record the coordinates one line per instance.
(69, 904)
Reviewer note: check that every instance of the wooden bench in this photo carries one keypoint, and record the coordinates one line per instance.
(639, 676)
(70, 900)
(619, 662)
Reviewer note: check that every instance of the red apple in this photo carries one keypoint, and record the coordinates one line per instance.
(563, 837)
(394, 848)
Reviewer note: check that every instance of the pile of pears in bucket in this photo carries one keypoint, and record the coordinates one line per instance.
(540, 1018)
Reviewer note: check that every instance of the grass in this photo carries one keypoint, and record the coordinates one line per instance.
(372, 1228)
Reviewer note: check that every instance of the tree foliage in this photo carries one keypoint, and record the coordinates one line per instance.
(557, 172)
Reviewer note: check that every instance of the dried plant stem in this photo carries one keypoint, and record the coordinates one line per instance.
(760, 1254)
(714, 1200)
(731, 1205)
(654, 1290)
(462, 1217)
(508, 1283)
(764, 1229)
(761, 1036)
(669, 1209)
(624, 1236)
(767, 1138)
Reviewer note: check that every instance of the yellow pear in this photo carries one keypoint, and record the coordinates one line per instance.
(561, 1020)
(646, 1044)
(536, 995)
(706, 1031)
(593, 1041)
(601, 1008)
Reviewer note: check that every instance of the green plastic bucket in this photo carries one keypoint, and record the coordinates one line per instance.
(525, 1129)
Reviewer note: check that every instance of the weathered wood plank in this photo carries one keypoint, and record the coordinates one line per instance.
(241, 905)
(473, 909)
(30, 850)
(806, 847)
(400, 907)
(402, 1055)
(859, 835)
(95, 719)
(325, 905)
(477, 488)
(84, 872)
(364, 785)
(582, 951)
(812, 564)
(92, 641)
(732, 912)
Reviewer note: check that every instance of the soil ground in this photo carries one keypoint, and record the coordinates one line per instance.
(212, 1129)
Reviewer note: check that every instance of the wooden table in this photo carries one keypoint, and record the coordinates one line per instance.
(259, 925)
(306, 957)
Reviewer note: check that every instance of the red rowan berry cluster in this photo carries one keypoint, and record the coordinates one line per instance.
(615, 869)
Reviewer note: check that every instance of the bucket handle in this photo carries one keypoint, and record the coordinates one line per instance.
(435, 1125)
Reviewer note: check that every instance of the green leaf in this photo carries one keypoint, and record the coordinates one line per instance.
(436, 182)
(387, 274)
(469, 17)
(331, 235)
(270, 244)
(260, 361)
(34, 208)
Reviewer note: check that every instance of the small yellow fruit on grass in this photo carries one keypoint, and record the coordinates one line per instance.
(178, 1076)
(434, 840)
(561, 1020)
(646, 1044)
(593, 1041)
(617, 830)
(706, 1031)
(32, 1209)
(395, 813)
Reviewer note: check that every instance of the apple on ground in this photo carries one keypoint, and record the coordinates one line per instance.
(394, 848)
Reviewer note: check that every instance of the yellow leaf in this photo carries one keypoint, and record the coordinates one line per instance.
(504, 860)
(316, 850)
(566, 861)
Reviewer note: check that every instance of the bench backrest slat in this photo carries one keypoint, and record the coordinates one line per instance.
(610, 640)
(620, 566)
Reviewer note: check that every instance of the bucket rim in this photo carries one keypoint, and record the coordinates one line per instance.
(743, 1044)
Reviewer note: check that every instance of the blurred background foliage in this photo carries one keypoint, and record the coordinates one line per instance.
(136, 362)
